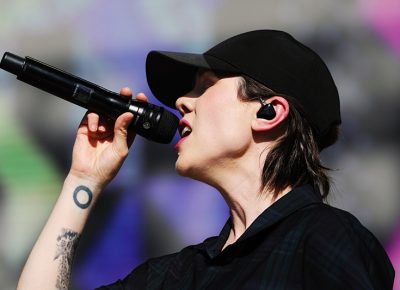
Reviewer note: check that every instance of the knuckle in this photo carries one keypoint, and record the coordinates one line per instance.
(121, 153)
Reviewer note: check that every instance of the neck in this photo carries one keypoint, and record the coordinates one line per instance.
(240, 185)
(246, 203)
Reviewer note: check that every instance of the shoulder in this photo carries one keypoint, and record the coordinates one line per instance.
(324, 219)
(340, 249)
(340, 232)
(152, 271)
(157, 270)
(181, 259)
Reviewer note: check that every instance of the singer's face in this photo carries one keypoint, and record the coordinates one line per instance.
(216, 127)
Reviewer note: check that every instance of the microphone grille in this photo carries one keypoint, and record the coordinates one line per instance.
(166, 128)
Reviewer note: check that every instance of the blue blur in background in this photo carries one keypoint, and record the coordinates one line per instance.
(148, 210)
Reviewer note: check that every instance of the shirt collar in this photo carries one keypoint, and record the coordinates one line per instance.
(291, 202)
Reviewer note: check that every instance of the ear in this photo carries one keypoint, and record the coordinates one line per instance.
(281, 107)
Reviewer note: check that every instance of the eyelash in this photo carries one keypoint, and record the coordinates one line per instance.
(204, 82)
(208, 84)
(204, 86)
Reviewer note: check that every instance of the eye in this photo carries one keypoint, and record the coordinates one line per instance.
(205, 80)
(207, 84)
(202, 86)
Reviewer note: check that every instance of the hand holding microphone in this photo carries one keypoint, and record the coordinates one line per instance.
(102, 145)
(150, 121)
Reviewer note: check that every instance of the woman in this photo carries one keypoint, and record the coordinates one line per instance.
(256, 111)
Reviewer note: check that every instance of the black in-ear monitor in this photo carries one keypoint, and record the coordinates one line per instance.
(267, 111)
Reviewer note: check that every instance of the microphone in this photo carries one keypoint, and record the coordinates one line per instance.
(150, 121)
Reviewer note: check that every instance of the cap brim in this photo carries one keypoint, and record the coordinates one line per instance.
(170, 75)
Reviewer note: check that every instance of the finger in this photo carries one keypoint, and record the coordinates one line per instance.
(142, 97)
(102, 128)
(83, 125)
(126, 92)
(84, 120)
(121, 132)
(93, 121)
(106, 124)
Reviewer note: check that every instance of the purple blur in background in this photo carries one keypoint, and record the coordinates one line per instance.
(148, 210)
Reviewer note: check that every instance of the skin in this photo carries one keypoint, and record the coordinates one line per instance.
(100, 148)
(228, 145)
(226, 149)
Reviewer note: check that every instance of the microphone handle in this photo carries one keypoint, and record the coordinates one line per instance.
(72, 88)
(90, 96)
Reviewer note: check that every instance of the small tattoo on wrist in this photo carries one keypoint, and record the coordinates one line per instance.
(67, 243)
(82, 196)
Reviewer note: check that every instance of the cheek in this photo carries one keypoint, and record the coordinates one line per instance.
(226, 117)
(225, 133)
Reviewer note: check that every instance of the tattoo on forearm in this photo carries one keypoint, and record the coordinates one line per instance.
(82, 196)
(67, 243)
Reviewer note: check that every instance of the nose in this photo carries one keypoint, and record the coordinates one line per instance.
(185, 104)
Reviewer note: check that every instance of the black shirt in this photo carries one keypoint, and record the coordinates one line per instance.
(297, 243)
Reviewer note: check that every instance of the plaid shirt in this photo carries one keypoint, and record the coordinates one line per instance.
(297, 243)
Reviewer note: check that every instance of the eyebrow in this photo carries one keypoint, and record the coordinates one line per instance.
(202, 71)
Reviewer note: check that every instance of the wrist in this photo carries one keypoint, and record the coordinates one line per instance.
(80, 192)
(74, 181)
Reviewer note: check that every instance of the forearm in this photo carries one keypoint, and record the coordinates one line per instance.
(49, 263)
(100, 148)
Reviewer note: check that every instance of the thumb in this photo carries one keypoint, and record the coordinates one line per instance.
(121, 139)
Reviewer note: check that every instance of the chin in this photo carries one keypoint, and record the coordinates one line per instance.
(185, 171)
(181, 167)
(184, 168)
(193, 172)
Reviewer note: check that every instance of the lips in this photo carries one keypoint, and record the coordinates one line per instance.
(184, 131)
(184, 128)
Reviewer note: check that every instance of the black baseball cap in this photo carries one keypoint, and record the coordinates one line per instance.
(273, 58)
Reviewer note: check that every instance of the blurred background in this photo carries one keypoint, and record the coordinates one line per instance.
(148, 210)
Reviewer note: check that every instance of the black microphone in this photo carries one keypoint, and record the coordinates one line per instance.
(150, 121)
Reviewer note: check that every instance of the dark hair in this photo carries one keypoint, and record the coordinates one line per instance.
(295, 158)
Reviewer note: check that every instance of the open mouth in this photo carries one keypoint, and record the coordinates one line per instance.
(184, 128)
